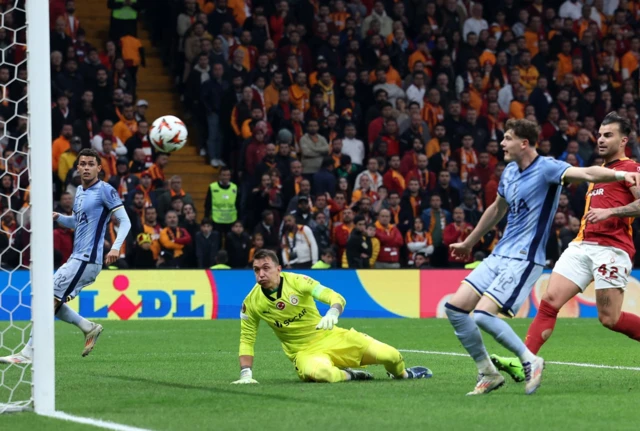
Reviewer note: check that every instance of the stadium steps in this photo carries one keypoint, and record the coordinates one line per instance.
(156, 86)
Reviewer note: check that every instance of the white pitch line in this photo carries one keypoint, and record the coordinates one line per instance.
(95, 422)
(571, 364)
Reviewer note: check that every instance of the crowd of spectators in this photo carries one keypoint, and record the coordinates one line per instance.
(366, 134)
(347, 133)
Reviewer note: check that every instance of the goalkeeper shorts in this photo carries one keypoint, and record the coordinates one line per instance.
(341, 348)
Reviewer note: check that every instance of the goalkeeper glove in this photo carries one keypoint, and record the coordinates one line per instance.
(329, 320)
(246, 377)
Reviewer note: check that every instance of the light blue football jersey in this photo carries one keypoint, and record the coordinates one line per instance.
(91, 209)
(532, 196)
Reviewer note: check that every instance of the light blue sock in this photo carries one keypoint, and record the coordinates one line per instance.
(469, 335)
(503, 334)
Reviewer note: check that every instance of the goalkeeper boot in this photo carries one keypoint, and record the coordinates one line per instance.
(533, 372)
(487, 383)
(18, 359)
(511, 366)
(358, 374)
(91, 338)
(415, 373)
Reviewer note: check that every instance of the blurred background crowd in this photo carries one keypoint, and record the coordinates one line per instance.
(340, 133)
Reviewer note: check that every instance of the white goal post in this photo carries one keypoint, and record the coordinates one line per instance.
(41, 398)
(39, 99)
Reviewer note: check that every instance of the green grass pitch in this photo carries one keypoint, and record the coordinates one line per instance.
(175, 375)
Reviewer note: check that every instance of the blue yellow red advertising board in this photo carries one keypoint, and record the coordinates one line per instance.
(206, 294)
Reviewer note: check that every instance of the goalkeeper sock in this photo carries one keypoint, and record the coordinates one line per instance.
(469, 335)
(541, 327)
(66, 314)
(629, 325)
(383, 354)
(503, 334)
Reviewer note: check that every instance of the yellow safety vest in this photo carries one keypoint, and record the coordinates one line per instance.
(223, 203)
(125, 12)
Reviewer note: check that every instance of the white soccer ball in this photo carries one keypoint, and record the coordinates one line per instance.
(168, 134)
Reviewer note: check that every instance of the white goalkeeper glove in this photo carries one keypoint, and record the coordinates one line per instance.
(329, 320)
(246, 377)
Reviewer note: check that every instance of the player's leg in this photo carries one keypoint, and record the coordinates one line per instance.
(85, 275)
(461, 304)
(571, 275)
(318, 367)
(69, 280)
(506, 294)
(379, 353)
(610, 280)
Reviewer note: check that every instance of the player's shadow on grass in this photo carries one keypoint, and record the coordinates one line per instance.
(219, 390)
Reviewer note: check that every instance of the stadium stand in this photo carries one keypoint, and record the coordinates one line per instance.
(348, 133)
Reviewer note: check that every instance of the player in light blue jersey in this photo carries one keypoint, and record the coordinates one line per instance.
(529, 191)
(95, 201)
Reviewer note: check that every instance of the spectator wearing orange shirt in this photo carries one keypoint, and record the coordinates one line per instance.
(364, 190)
(157, 169)
(339, 16)
(108, 159)
(528, 72)
(61, 145)
(467, 157)
(585, 21)
(533, 35)
(173, 240)
(300, 93)
(272, 91)
(421, 54)
(127, 126)
(518, 104)
(133, 54)
(432, 112)
(565, 58)
(393, 179)
(392, 75)
(250, 51)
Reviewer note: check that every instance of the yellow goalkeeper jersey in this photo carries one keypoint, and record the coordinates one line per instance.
(290, 311)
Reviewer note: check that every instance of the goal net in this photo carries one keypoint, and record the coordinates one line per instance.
(26, 242)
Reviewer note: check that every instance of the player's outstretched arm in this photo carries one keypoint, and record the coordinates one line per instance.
(632, 210)
(491, 217)
(598, 174)
(248, 331)
(67, 221)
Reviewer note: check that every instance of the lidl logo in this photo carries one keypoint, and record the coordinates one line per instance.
(128, 295)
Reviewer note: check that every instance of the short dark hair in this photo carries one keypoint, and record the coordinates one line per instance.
(264, 253)
(222, 257)
(624, 126)
(524, 129)
(90, 152)
(206, 220)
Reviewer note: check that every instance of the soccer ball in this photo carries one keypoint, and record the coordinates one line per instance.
(168, 134)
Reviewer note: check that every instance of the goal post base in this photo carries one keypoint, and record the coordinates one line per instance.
(17, 407)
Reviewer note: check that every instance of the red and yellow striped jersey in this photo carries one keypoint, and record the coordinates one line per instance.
(615, 231)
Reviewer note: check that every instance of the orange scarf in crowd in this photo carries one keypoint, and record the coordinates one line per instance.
(468, 161)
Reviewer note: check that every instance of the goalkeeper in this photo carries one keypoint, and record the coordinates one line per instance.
(319, 352)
